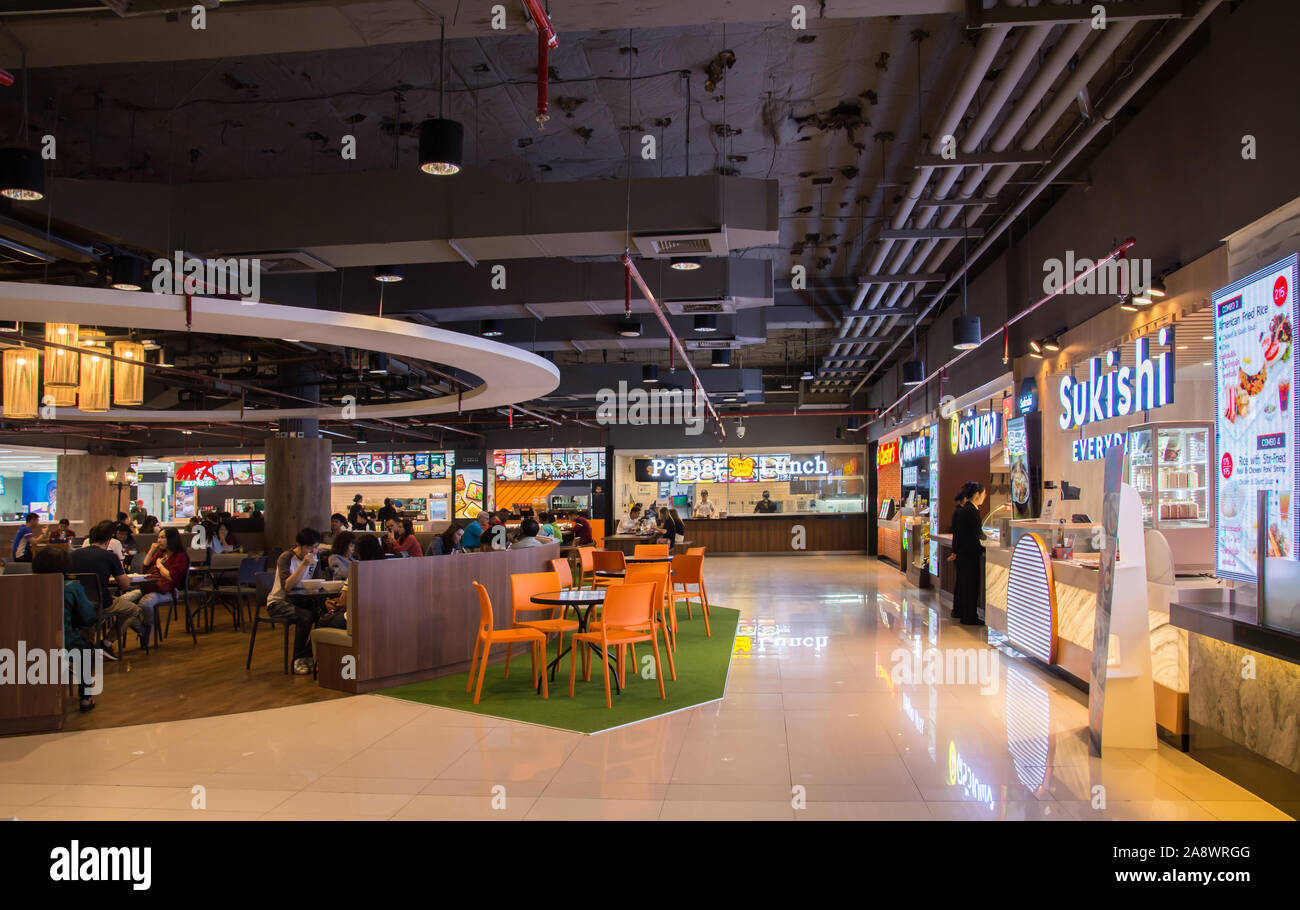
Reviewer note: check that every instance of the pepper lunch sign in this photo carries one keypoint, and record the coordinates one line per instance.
(1121, 391)
(978, 432)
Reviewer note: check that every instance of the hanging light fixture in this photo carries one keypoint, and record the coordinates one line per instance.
(21, 382)
(722, 358)
(389, 273)
(1035, 347)
(686, 263)
(1126, 304)
(1158, 289)
(442, 141)
(629, 328)
(127, 272)
(22, 175)
(62, 396)
(378, 365)
(61, 365)
(706, 322)
(128, 378)
(1052, 344)
(490, 329)
(1143, 298)
(965, 329)
(650, 373)
(913, 372)
(95, 382)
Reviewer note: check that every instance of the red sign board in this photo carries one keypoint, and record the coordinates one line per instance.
(887, 454)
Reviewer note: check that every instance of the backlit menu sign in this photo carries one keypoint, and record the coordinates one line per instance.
(1255, 425)
(1122, 390)
(978, 432)
(555, 464)
(221, 473)
(392, 468)
(914, 448)
(729, 469)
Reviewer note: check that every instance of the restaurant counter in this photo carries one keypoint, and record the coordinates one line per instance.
(1244, 698)
(1075, 587)
(889, 541)
(844, 532)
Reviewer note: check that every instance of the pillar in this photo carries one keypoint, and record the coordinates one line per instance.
(85, 497)
(297, 487)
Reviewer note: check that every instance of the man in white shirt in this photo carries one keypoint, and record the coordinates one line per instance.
(631, 524)
(703, 507)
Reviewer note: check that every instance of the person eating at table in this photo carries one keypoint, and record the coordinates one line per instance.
(631, 524)
(167, 565)
(341, 554)
(291, 570)
(224, 541)
(61, 533)
(96, 557)
(528, 531)
(449, 540)
(338, 523)
(334, 615)
(405, 543)
(582, 533)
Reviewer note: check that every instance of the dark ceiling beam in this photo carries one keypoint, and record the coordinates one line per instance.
(977, 16)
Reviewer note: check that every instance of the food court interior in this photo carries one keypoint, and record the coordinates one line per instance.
(904, 380)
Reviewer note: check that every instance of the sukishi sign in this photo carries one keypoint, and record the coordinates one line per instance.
(978, 432)
(1123, 390)
(1093, 448)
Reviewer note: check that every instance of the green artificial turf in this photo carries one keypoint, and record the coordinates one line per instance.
(702, 664)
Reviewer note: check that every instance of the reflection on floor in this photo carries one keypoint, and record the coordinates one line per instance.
(825, 718)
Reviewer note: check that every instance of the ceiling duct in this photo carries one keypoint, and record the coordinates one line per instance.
(130, 8)
(288, 262)
(691, 307)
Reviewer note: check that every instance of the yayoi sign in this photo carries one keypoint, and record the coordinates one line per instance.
(978, 432)
(1122, 390)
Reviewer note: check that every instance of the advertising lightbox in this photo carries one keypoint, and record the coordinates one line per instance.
(1255, 425)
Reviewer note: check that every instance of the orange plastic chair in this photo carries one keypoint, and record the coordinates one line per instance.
(488, 636)
(695, 551)
(606, 561)
(629, 610)
(689, 570)
(650, 549)
(586, 566)
(522, 587)
(657, 575)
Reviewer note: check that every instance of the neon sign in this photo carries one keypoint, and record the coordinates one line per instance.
(887, 454)
(1121, 391)
(978, 432)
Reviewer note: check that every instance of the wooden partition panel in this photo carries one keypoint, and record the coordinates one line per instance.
(417, 618)
(31, 611)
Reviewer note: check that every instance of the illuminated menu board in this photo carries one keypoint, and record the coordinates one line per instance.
(249, 472)
(733, 468)
(1255, 425)
(550, 464)
(393, 467)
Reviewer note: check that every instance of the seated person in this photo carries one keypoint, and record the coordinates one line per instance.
(632, 524)
(78, 619)
(335, 615)
(528, 532)
(475, 531)
(338, 522)
(224, 541)
(449, 541)
(26, 540)
(549, 528)
(341, 554)
(291, 569)
(167, 565)
(123, 543)
(61, 533)
(97, 557)
(149, 525)
(405, 543)
(582, 533)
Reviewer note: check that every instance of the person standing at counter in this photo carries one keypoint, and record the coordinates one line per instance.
(703, 506)
(765, 506)
(357, 514)
(388, 511)
(968, 553)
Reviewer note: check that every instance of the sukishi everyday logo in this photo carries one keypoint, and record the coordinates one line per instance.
(1121, 391)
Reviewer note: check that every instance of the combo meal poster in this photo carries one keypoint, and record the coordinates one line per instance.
(1255, 416)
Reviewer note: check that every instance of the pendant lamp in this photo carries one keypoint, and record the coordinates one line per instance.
(21, 382)
(95, 380)
(128, 378)
(61, 365)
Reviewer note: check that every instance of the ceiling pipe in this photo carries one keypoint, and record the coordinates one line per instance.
(672, 337)
(1113, 254)
(1151, 65)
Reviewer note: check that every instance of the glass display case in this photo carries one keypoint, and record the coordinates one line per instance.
(1169, 467)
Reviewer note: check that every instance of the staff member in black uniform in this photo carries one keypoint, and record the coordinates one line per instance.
(968, 553)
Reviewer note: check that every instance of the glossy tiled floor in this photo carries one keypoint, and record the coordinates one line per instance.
(810, 705)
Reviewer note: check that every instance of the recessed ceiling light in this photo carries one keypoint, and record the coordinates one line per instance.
(1182, 347)
(387, 273)
(490, 329)
(1207, 338)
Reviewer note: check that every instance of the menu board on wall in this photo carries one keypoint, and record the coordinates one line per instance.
(1017, 451)
(1255, 425)
(934, 502)
(469, 492)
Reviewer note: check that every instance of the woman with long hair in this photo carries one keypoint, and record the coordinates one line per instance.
(167, 564)
(968, 553)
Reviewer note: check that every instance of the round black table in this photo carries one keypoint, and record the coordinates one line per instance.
(579, 599)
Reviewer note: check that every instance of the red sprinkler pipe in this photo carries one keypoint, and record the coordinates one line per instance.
(543, 66)
(543, 23)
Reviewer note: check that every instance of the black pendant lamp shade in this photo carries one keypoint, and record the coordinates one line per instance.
(127, 273)
(913, 372)
(22, 175)
(722, 358)
(490, 329)
(966, 332)
(442, 146)
(706, 322)
(650, 373)
(629, 328)
(686, 263)
(389, 273)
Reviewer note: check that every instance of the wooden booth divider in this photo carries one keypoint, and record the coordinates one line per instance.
(417, 619)
(31, 612)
